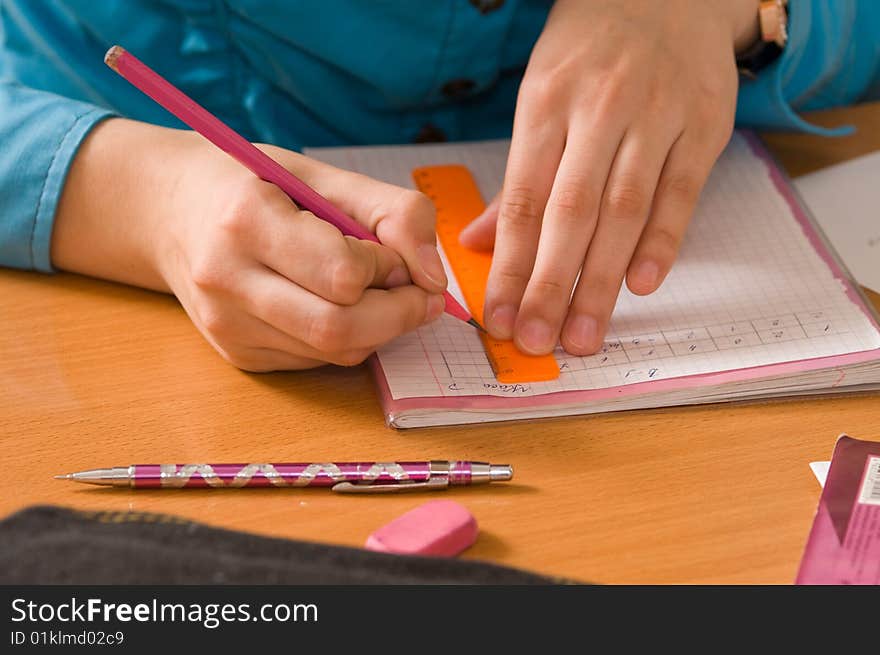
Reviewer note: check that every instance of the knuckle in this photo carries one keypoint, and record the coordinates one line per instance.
(327, 332)
(417, 203)
(628, 199)
(242, 210)
(608, 91)
(603, 283)
(414, 206)
(209, 273)
(519, 208)
(663, 242)
(216, 323)
(541, 89)
(683, 186)
(573, 203)
(510, 277)
(348, 276)
(549, 288)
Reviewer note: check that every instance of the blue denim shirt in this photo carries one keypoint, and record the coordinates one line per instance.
(311, 73)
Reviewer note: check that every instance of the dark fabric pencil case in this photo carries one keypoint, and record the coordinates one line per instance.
(57, 545)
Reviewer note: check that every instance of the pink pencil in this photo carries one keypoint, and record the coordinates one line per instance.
(235, 145)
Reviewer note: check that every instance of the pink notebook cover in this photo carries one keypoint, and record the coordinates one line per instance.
(843, 547)
(394, 407)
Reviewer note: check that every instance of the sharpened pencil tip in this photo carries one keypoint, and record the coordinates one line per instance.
(473, 322)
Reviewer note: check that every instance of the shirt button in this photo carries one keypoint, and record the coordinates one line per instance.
(485, 6)
(458, 88)
(429, 134)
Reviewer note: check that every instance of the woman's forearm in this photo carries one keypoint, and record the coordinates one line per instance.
(118, 188)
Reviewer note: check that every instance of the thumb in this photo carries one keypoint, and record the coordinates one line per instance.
(402, 219)
(480, 232)
(406, 223)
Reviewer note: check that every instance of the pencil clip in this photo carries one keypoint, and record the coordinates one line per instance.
(431, 484)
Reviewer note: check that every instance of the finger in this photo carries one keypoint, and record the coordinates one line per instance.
(569, 223)
(624, 209)
(265, 360)
(237, 335)
(274, 340)
(678, 191)
(535, 151)
(380, 316)
(313, 253)
(479, 234)
(402, 219)
(407, 223)
(232, 333)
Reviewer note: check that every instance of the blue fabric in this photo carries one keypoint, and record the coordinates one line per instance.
(832, 58)
(313, 73)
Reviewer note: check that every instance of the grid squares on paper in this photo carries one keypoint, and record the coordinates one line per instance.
(748, 290)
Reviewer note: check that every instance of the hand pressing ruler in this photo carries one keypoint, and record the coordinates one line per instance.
(457, 200)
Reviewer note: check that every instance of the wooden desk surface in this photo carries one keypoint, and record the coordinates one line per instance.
(96, 374)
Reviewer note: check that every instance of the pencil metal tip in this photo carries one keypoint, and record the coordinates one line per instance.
(473, 322)
(66, 476)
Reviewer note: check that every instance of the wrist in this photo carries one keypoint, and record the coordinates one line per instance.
(115, 199)
(744, 23)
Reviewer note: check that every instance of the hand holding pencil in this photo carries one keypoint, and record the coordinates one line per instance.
(268, 283)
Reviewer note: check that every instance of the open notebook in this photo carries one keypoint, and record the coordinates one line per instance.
(756, 306)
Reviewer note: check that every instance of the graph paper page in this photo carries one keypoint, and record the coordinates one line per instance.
(748, 289)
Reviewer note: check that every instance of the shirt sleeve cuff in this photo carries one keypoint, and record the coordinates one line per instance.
(764, 102)
(44, 218)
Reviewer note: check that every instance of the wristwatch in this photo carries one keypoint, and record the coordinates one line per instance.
(773, 19)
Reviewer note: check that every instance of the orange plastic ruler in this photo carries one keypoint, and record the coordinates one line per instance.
(457, 199)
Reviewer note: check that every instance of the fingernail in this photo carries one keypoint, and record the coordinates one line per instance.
(467, 229)
(647, 273)
(462, 236)
(429, 258)
(501, 322)
(436, 305)
(536, 336)
(581, 333)
(397, 277)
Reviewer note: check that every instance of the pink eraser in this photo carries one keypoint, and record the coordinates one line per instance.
(439, 527)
